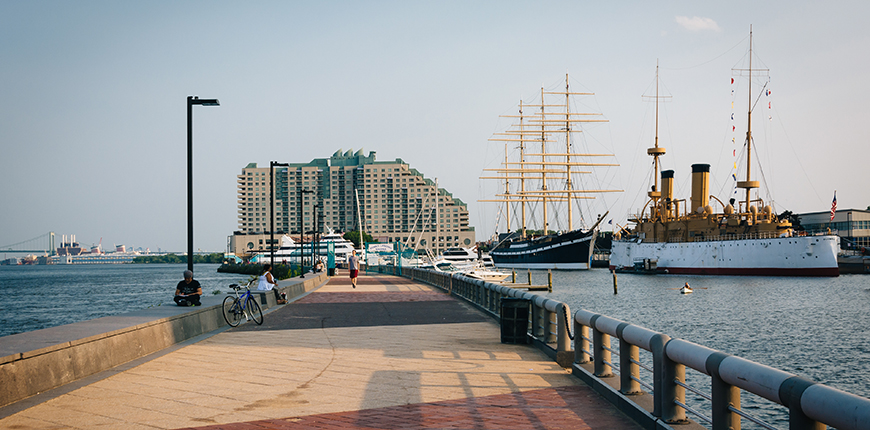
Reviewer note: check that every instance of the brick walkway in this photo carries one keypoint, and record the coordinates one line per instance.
(575, 408)
(390, 354)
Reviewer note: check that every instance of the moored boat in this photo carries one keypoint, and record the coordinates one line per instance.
(742, 238)
(546, 179)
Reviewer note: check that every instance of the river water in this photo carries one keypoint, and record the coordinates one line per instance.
(812, 327)
(41, 296)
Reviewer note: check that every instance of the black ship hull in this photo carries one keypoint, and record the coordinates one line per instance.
(572, 250)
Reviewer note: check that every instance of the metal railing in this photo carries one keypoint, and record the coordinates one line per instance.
(548, 322)
(810, 405)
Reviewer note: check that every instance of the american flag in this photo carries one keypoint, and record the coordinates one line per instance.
(834, 206)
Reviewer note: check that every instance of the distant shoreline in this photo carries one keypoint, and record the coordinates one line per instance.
(214, 258)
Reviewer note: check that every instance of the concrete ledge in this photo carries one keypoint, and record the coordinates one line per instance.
(36, 361)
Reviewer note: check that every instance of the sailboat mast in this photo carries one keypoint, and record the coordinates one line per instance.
(544, 164)
(568, 183)
(507, 191)
(522, 174)
(437, 218)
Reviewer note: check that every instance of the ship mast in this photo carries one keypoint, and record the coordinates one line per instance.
(568, 184)
(749, 184)
(544, 165)
(656, 193)
(553, 121)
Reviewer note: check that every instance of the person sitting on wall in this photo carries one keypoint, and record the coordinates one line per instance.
(267, 282)
(188, 291)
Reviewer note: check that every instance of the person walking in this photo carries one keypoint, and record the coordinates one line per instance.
(268, 282)
(353, 265)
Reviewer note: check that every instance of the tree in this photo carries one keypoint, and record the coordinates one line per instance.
(353, 236)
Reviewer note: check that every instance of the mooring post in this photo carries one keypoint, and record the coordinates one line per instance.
(615, 289)
(549, 280)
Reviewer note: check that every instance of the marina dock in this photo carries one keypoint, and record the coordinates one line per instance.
(392, 353)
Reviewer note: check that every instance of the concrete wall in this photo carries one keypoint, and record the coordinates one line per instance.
(34, 370)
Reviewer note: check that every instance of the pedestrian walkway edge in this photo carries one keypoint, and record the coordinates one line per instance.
(30, 372)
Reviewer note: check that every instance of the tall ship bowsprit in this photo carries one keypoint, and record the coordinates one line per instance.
(541, 176)
(673, 235)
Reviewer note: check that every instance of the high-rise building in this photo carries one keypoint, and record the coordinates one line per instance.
(395, 202)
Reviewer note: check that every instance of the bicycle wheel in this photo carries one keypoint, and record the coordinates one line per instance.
(232, 311)
(255, 311)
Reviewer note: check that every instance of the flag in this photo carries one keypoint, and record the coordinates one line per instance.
(834, 206)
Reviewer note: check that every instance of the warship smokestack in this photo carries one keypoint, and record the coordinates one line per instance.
(700, 187)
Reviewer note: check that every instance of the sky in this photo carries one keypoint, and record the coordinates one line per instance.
(93, 100)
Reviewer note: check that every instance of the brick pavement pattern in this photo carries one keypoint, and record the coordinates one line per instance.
(340, 358)
(558, 408)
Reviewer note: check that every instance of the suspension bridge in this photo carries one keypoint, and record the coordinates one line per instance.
(44, 244)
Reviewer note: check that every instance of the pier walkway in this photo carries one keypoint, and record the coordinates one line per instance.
(392, 353)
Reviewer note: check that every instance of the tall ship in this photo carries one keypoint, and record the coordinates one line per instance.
(745, 237)
(543, 179)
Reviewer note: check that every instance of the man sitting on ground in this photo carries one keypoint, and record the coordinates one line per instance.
(188, 291)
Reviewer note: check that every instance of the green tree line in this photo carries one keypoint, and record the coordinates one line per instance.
(215, 258)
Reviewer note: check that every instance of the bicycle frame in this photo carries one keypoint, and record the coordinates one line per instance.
(242, 304)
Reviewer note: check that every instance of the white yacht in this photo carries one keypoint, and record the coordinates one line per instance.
(290, 250)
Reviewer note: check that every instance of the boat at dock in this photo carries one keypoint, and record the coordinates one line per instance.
(745, 237)
(290, 250)
(538, 176)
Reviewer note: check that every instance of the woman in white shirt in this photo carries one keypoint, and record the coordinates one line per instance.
(268, 282)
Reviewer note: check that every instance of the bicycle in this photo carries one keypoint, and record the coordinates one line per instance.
(245, 305)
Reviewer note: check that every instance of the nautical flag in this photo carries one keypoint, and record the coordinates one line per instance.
(834, 206)
(732, 80)
(734, 176)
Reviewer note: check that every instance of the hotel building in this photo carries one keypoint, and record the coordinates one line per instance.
(396, 203)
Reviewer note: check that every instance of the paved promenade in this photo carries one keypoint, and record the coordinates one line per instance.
(389, 354)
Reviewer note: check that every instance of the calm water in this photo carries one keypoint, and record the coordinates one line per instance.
(37, 297)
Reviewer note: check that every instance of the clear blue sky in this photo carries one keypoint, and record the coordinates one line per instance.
(92, 101)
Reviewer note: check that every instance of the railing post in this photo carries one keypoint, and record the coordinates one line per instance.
(600, 355)
(537, 331)
(563, 339)
(581, 344)
(657, 347)
(549, 337)
(629, 371)
(723, 395)
(791, 391)
(671, 393)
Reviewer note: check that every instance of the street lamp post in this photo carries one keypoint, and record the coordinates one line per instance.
(316, 244)
(192, 100)
(302, 232)
(272, 165)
